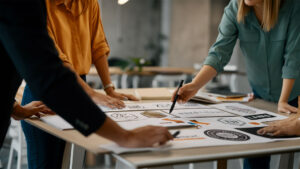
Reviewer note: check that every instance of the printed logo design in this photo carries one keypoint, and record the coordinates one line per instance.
(226, 135)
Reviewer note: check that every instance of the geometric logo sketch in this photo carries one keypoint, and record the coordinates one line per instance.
(137, 107)
(230, 121)
(226, 135)
(188, 104)
(242, 110)
(124, 116)
(163, 105)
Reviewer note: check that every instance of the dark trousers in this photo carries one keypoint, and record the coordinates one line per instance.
(44, 151)
(263, 162)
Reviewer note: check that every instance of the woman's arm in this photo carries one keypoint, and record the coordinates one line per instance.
(283, 105)
(103, 70)
(96, 97)
(189, 90)
(100, 51)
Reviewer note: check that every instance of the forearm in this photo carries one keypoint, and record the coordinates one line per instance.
(297, 128)
(287, 87)
(205, 75)
(16, 109)
(103, 70)
(112, 131)
(18, 112)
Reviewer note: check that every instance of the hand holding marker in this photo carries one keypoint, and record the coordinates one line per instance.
(176, 97)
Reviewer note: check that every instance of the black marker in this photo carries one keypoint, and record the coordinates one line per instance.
(176, 134)
(176, 97)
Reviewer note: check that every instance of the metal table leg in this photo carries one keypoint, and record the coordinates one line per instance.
(73, 157)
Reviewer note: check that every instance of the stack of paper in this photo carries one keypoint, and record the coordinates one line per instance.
(217, 98)
(57, 122)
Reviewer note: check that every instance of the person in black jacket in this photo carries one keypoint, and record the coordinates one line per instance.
(27, 52)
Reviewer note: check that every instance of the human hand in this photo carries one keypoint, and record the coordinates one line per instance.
(252, 97)
(185, 93)
(284, 107)
(288, 127)
(30, 109)
(148, 136)
(121, 96)
(287, 121)
(107, 101)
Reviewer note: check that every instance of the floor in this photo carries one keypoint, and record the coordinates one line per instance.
(4, 153)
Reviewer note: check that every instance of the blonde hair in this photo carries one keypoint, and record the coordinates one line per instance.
(270, 13)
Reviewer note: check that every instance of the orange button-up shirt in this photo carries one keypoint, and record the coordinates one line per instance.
(77, 33)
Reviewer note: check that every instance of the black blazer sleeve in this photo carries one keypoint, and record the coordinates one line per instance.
(24, 37)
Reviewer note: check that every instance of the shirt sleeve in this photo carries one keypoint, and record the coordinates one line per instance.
(291, 67)
(221, 51)
(100, 46)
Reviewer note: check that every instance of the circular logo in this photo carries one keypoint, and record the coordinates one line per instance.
(226, 135)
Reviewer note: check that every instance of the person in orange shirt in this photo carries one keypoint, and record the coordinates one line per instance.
(76, 29)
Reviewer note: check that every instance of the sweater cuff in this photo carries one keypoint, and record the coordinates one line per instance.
(290, 73)
(213, 62)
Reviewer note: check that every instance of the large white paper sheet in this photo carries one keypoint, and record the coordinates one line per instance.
(189, 113)
(155, 106)
(248, 112)
(57, 122)
(203, 137)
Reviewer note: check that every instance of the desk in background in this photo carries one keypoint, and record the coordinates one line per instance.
(172, 74)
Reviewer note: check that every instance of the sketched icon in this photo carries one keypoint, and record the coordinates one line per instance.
(242, 110)
(134, 107)
(123, 117)
(231, 121)
(163, 106)
(226, 135)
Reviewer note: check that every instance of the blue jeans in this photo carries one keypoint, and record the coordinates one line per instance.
(262, 162)
(44, 151)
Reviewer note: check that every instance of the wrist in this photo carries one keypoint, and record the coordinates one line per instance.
(109, 88)
(195, 85)
(283, 98)
(17, 108)
(283, 101)
(124, 138)
(92, 93)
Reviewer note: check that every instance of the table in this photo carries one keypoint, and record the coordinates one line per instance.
(78, 143)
